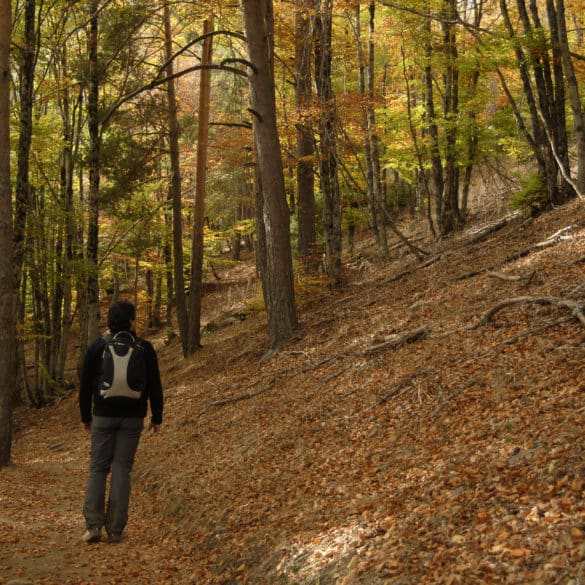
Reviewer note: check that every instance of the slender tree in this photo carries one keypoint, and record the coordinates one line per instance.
(196, 287)
(175, 188)
(304, 136)
(328, 161)
(7, 277)
(93, 122)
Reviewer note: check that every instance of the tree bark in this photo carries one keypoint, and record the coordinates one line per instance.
(328, 164)
(305, 140)
(175, 190)
(93, 123)
(196, 287)
(450, 218)
(7, 279)
(280, 300)
(574, 95)
(437, 182)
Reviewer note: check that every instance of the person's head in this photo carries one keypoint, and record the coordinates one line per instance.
(121, 316)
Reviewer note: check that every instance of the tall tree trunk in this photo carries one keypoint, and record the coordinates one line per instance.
(70, 145)
(196, 288)
(373, 141)
(175, 190)
(375, 215)
(305, 140)
(7, 279)
(28, 58)
(26, 80)
(472, 135)
(450, 217)
(574, 95)
(537, 99)
(436, 183)
(93, 123)
(280, 301)
(328, 165)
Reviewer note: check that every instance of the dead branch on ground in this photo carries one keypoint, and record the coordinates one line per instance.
(490, 229)
(415, 268)
(575, 306)
(397, 340)
(535, 330)
(512, 277)
(556, 238)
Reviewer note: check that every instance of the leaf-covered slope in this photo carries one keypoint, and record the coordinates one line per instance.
(350, 457)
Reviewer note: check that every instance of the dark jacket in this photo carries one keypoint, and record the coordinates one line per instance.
(89, 391)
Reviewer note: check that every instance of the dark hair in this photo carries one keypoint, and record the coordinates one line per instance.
(119, 316)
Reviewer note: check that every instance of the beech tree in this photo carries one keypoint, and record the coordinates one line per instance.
(328, 161)
(278, 276)
(305, 153)
(7, 276)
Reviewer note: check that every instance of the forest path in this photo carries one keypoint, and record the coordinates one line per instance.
(41, 497)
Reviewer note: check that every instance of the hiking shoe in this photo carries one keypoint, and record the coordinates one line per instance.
(115, 538)
(92, 535)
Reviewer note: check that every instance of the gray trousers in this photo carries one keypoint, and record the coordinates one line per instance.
(114, 442)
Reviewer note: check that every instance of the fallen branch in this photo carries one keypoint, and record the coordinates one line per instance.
(405, 383)
(512, 277)
(337, 373)
(234, 399)
(490, 229)
(535, 330)
(557, 237)
(397, 340)
(415, 268)
(467, 275)
(575, 306)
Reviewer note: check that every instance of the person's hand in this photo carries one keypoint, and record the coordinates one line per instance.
(87, 427)
(155, 428)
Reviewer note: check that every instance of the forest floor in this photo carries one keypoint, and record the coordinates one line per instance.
(405, 436)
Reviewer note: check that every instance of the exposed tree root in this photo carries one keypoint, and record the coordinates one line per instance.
(574, 306)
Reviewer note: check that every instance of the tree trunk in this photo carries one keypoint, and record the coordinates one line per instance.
(436, 183)
(7, 280)
(373, 141)
(175, 190)
(328, 142)
(196, 288)
(280, 303)
(574, 95)
(93, 309)
(538, 99)
(305, 140)
(450, 217)
(26, 80)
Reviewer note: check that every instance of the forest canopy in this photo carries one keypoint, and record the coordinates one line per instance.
(151, 141)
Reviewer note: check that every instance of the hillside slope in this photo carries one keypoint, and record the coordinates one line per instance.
(350, 457)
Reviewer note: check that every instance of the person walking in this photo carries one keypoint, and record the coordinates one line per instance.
(114, 394)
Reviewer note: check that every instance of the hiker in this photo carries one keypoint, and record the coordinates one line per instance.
(119, 387)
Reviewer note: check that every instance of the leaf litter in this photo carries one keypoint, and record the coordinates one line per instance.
(452, 458)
